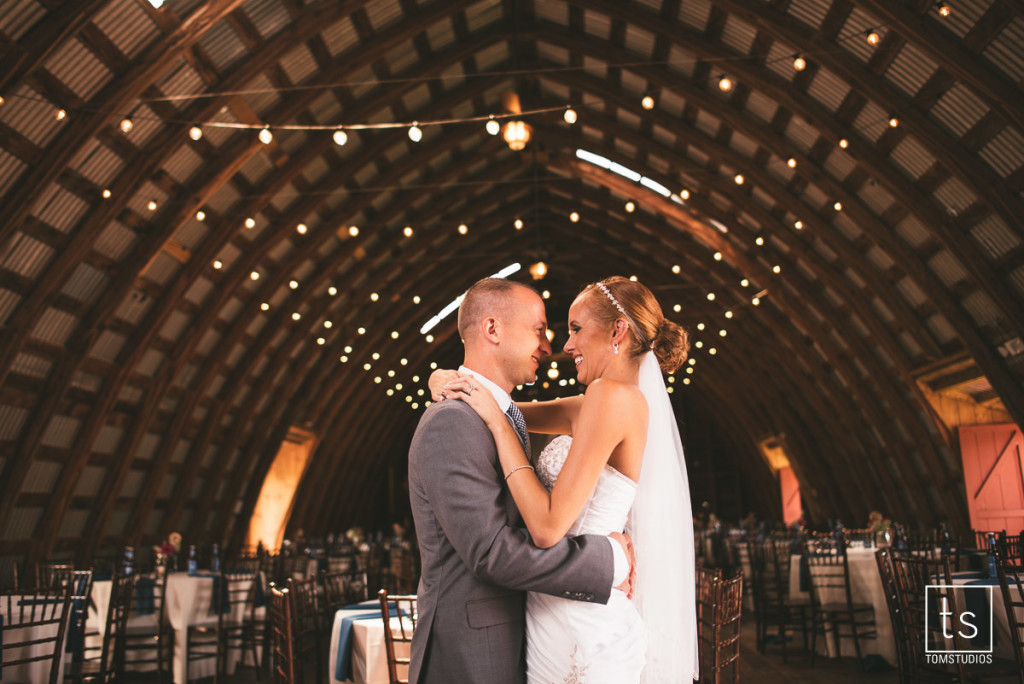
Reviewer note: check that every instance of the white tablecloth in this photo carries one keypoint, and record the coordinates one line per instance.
(187, 603)
(369, 654)
(865, 587)
(38, 671)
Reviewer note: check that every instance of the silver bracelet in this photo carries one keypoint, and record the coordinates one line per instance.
(515, 469)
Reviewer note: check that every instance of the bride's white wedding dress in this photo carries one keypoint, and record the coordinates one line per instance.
(573, 641)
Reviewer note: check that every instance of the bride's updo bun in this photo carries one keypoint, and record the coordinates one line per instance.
(669, 342)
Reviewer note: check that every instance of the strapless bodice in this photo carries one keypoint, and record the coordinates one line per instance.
(607, 508)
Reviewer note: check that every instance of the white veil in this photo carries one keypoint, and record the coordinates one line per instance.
(661, 525)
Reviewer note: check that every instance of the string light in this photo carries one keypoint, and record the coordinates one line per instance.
(328, 324)
(353, 231)
(677, 308)
(711, 296)
(844, 143)
(725, 84)
(293, 284)
(127, 124)
(332, 290)
(873, 38)
(569, 116)
(684, 193)
(250, 222)
(893, 121)
(106, 193)
(301, 229)
(717, 256)
(739, 179)
(647, 102)
(799, 225)
(374, 296)
(407, 231)
(574, 217)
(343, 358)
(415, 132)
(151, 205)
(744, 283)
(799, 63)
(200, 215)
(218, 264)
(463, 229)
(944, 11)
(838, 206)
(518, 224)
(61, 114)
(340, 137)
(2, 100)
(265, 136)
(321, 341)
(264, 306)
(394, 334)
(759, 241)
(791, 162)
(196, 133)
(776, 269)
(492, 126)
(255, 275)
(630, 207)
(416, 299)
(676, 268)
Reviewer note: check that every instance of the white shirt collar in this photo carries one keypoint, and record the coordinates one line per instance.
(500, 395)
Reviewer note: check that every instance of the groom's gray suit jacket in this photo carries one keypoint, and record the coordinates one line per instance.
(477, 561)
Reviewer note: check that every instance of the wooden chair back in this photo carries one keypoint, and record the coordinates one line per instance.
(883, 558)
(112, 658)
(305, 614)
(399, 615)
(720, 605)
(344, 588)
(283, 660)
(828, 569)
(912, 577)
(34, 627)
(1011, 587)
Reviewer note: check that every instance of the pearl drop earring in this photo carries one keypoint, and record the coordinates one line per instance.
(615, 347)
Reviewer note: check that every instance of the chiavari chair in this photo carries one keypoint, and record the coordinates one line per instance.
(399, 615)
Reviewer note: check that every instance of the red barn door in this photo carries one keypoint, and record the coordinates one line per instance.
(993, 460)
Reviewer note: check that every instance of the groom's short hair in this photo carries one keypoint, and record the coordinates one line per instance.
(487, 297)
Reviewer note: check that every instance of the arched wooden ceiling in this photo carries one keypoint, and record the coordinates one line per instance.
(144, 390)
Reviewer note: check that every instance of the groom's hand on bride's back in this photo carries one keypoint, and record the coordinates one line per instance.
(629, 584)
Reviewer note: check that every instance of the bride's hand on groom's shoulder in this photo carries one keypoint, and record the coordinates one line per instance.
(440, 379)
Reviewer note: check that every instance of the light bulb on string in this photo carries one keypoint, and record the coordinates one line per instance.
(265, 136)
(647, 102)
(684, 194)
(195, 132)
(574, 217)
(739, 179)
(844, 143)
(106, 193)
(127, 124)
(353, 231)
(340, 137)
(791, 162)
(492, 126)
(61, 114)
(200, 216)
(799, 63)
(630, 206)
(569, 116)
(725, 84)
(873, 38)
(518, 224)
(415, 132)
(944, 10)
(407, 231)
(894, 121)
(301, 229)
(151, 205)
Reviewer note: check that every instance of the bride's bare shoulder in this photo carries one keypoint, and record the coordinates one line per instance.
(614, 393)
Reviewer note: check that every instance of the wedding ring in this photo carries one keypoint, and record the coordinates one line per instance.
(471, 388)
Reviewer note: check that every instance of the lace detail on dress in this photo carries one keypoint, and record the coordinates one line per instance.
(575, 675)
(551, 460)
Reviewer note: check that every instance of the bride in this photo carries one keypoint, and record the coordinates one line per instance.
(622, 467)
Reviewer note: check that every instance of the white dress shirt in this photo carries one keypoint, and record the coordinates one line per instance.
(621, 569)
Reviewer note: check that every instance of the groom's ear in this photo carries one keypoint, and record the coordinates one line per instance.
(490, 328)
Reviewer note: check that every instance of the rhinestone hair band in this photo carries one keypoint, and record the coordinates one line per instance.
(636, 330)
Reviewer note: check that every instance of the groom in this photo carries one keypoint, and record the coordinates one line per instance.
(476, 559)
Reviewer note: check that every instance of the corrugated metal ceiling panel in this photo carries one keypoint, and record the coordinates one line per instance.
(268, 16)
(79, 69)
(19, 16)
(340, 36)
(127, 26)
(738, 34)
(32, 115)
(60, 433)
(54, 326)
(115, 241)
(695, 13)
(995, 236)
(1005, 152)
(223, 46)
(11, 169)
(912, 157)
(441, 34)
(828, 89)
(809, 12)
(1005, 50)
(383, 13)
(910, 70)
(959, 109)
(490, 12)
(967, 14)
(85, 283)
(27, 256)
(639, 41)
(12, 419)
(982, 310)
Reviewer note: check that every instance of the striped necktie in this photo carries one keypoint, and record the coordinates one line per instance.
(519, 423)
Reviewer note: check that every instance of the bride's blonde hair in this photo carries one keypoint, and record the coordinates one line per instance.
(667, 339)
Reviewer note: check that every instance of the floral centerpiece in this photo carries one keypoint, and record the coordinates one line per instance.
(168, 550)
(881, 526)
